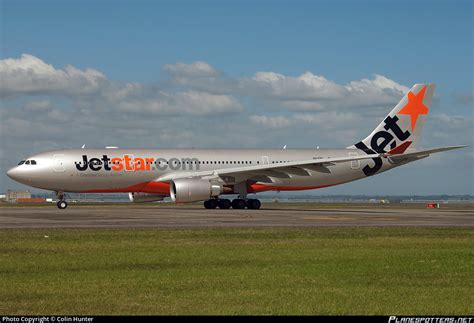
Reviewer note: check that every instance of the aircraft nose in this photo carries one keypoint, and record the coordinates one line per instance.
(20, 175)
(13, 173)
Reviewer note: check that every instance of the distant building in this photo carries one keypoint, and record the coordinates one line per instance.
(31, 200)
(13, 196)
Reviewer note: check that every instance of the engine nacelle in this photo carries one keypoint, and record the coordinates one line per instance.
(144, 197)
(193, 190)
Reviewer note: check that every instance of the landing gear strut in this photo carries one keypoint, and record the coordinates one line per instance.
(61, 204)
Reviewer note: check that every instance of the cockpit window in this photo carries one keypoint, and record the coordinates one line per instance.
(27, 162)
(21, 163)
(33, 162)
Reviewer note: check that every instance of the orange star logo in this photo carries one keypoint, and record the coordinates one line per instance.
(415, 106)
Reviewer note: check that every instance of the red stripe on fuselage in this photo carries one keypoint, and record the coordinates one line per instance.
(164, 188)
(147, 187)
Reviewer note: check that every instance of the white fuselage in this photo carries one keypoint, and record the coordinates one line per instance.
(139, 170)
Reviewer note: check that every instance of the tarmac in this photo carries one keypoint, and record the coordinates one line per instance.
(195, 216)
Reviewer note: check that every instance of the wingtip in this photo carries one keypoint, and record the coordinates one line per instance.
(458, 147)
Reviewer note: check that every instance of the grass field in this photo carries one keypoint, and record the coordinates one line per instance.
(238, 271)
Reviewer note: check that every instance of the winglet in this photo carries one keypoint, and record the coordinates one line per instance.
(400, 149)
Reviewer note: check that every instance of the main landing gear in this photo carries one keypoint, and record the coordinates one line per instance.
(61, 204)
(235, 204)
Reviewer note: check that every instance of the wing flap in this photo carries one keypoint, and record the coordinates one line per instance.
(321, 168)
(294, 170)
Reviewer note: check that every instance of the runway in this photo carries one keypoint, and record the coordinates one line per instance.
(195, 216)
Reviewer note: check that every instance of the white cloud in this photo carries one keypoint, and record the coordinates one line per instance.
(35, 106)
(446, 129)
(306, 92)
(466, 98)
(331, 127)
(189, 102)
(296, 105)
(312, 92)
(271, 122)
(122, 91)
(380, 82)
(206, 92)
(30, 75)
(204, 109)
(304, 87)
(89, 89)
(58, 116)
(194, 70)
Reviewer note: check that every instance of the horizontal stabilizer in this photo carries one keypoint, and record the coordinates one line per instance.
(419, 153)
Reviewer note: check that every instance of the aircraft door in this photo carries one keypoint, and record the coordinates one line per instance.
(58, 163)
(355, 164)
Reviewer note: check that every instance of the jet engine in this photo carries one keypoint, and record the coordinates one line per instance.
(192, 190)
(144, 197)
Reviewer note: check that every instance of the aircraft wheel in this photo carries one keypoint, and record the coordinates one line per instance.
(62, 205)
(253, 204)
(224, 204)
(238, 204)
(210, 204)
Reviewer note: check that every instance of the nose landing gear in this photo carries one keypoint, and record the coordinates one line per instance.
(61, 204)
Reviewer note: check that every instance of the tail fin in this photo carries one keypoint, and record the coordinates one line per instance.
(403, 123)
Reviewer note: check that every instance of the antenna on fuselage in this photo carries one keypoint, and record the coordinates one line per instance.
(83, 146)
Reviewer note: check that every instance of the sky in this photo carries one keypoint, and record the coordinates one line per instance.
(237, 74)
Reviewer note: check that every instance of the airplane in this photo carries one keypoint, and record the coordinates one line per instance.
(192, 175)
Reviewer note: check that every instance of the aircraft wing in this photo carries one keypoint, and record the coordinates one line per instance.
(418, 154)
(263, 172)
